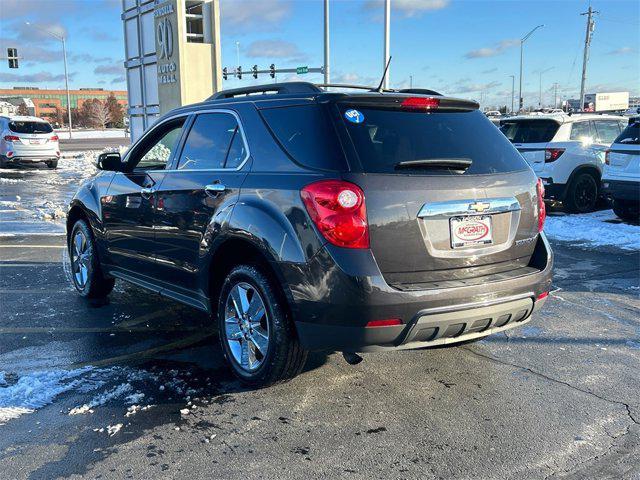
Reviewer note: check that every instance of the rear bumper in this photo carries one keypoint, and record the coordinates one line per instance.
(554, 191)
(332, 313)
(622, 190)
(28, 159)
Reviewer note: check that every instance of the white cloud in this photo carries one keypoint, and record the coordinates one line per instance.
(462, 87)
(409, 8)
(497, 49)
(275, 49)
(621, 51)
(39, 77)
(254, 15)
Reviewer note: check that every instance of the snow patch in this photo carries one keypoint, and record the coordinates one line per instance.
(102, 399)
(593, 230)
(113, 429)
(35, 390)
(109, 133)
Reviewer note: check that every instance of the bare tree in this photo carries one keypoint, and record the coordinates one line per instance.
(100, 113)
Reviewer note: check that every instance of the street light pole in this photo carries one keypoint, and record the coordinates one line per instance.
(513, 89)
(327, 75)
(385, 60)
(66, 83)
(66, 74)
(522, 40)
(540, 86)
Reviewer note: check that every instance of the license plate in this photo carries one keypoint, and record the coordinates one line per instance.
(471, 230)
(35, 142)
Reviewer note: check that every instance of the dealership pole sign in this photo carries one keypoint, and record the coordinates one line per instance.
(167, 67)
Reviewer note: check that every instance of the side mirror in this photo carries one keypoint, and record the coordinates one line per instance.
(110, 161)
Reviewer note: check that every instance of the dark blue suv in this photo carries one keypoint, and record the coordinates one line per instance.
(302, 219)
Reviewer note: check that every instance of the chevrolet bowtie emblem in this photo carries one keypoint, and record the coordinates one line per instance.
(479, 206)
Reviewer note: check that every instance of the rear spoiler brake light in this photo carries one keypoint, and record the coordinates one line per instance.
(409, 102)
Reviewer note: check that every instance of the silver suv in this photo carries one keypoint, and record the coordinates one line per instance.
(28, 140)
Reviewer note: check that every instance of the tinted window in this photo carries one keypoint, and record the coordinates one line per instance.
(581, 131)
(385, 138)
(529, 131)
(306, 134)
(607, 131)
(237, 151)
(159, 148)
(208, 142)
(30, 127)
(630, 135)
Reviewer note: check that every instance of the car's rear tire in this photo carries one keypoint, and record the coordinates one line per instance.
(86, 272)
(257, 335)
(52, 164)
(582, 194)
(628, 211)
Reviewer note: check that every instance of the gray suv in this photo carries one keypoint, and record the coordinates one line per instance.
(309, 220)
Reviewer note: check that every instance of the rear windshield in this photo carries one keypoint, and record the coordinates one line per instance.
(529, 131)
(30, 127)
(306, 134)
(385, 138)
(629, 135)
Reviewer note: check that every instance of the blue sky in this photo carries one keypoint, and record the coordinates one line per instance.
(461, 47)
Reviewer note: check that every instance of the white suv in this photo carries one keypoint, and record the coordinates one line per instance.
(621, 177)
(566, 152)
(28, 140)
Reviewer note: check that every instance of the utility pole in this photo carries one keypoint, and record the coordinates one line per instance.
(410, 81)
(513, 90)
(522, 40)
(585, 59)
(555, 95)
(541, 72)
(385, 60)
(327, 76)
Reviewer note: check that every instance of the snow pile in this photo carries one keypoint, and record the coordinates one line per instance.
(597, 229)
(76, 134)
(113, 429)
(49, 211)
(102, 399)
(35, 390)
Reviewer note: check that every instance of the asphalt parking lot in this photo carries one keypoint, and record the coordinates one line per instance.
(135, 387)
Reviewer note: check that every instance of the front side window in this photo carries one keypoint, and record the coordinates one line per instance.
(581, 131)
(607, 131)
(156, 151)
(210, 141)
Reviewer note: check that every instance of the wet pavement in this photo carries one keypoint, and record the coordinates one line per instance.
(135, 387)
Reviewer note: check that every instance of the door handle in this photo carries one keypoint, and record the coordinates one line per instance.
(147, 193)
(214, 189)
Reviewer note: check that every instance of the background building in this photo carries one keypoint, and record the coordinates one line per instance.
(47, 103)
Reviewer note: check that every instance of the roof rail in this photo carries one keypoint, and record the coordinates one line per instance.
(277, 88)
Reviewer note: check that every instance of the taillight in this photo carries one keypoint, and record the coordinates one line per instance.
(338, 210)
(11, 138)
(54, 138)
(542, 208)
(389, 322)
(552, 154)
(607, 160)
(542, 296)
(420, 103)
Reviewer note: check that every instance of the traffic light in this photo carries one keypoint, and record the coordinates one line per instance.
(225, 74)
(12, 56)
(255, 71)
(272, 67)
(239, 72)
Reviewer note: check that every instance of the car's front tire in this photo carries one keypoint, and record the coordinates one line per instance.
(86, 272)
(582, 194)
(257, 336)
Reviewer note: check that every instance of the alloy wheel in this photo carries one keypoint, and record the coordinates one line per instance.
(80, 259)
(585, 194)
(246, 326)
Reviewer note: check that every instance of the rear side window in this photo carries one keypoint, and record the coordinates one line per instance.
(385, 138)
(581, 131)
(529, 131)
(209, 141)
(607, 131)
(306, 134)
(630, 135)
(30, 127)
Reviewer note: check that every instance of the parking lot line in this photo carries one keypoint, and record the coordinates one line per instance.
(185, 342)
(34, 330)
(32, 246)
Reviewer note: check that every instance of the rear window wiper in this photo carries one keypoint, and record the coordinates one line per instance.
(452, 163)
